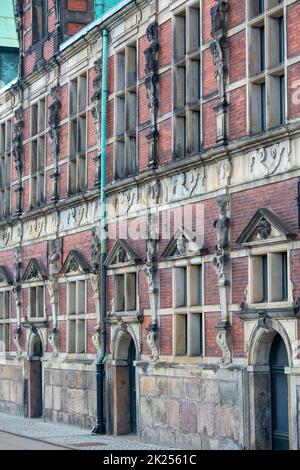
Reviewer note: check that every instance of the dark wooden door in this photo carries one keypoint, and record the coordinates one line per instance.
(279, 395)
(132, 387)
(35, 389)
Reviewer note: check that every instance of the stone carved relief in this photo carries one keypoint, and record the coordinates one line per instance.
(6, 235)
(151, 84)
(17, 150)
(128, 201)
(190, 183)
(76, 215)
(154, 192)
(36, 227)
(264, 229)
(224, 170)
(270, 160)
(220, 259)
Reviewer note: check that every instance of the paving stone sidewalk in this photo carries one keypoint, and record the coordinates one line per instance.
(72, 436)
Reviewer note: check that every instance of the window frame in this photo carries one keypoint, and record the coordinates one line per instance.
(187, 316)
(275, 106)
(5, 321)
(187, 111)
(78, 151)
(75, 319)
(126, 98)
(37, 169)
(272, 288)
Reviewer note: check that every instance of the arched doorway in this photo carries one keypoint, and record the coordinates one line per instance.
(35, 405)
(125, 421)
(279, 394)
(269, 418)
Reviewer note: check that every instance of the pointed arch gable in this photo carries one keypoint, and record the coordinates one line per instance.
(184, 243)
(265, 227)
(34, 271)
(74, 264)
(121, 253)
(5, 278)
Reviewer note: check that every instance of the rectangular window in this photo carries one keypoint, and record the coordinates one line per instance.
(263, 106)
(38, 154)
(281, 40)
(269, 278)
(262, 48)
(77, 134)
(282, 100)
(126, 110)
(5, 168)
(264, 279)
(267, 41)
(36, 302)
(188, 299)
(39, 18)
(125, 292)
(77, 316)
(187, 83)
(4, 321)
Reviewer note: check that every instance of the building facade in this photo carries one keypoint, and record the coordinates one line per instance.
(186, 125)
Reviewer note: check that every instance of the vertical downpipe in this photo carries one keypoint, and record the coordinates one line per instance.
(100, 425)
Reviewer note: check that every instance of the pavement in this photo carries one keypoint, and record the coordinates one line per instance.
(33, 433)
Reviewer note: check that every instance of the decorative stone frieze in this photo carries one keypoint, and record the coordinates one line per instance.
(271, 160)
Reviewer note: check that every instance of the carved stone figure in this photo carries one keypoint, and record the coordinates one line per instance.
(53, 290)
(96, 99)
(121, 256)
(54, 257)
(17, 150)
(150, 272)
(54, 120)
(264, 228)
(151, 84)
(181, 245)
(218, 15)
(151, 338)
(222, 224)
(223, 340)
(218, 49)
(95, 252)
(53, 341)
(17, 340)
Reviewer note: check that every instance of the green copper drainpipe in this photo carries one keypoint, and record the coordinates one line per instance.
(100, 425)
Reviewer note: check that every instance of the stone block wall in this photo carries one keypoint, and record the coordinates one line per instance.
(11, 389)
(199, 411)
(70, 396)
